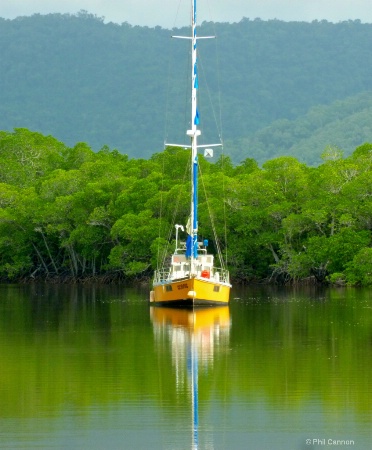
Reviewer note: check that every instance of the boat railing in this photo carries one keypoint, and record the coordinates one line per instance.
(181, 249)
(168, 274)
(162, 276)
(224, 275)
(219, 275)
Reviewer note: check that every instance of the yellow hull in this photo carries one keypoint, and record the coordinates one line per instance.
(190, 291)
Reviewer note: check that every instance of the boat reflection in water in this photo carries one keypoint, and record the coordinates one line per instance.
(195, 337)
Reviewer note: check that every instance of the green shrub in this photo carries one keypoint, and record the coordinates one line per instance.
(359, 271)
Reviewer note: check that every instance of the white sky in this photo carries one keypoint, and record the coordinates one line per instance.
(175, 13)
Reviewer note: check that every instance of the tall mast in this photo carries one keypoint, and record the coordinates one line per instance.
(194, 133)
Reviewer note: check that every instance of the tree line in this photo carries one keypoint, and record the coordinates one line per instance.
(71, 213)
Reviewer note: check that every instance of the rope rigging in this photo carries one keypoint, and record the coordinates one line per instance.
(170, 113)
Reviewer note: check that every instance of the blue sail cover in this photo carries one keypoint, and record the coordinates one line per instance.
(188, 246)
(191, 228)
(195, 201)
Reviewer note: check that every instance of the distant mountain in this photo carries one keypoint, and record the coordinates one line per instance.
(345, 124)
(79, 79)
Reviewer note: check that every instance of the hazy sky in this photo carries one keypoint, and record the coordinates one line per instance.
(174, 13)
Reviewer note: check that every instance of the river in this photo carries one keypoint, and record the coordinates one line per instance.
(85, 367)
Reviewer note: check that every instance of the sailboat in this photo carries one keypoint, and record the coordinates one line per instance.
(191, 278)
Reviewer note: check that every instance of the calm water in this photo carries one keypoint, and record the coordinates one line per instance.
(97, 368)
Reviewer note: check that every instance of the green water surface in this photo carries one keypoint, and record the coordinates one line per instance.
(97, 368)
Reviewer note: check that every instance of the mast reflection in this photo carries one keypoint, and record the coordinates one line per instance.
(195, 337)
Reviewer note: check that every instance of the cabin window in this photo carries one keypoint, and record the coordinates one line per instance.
(216, 288)
(168, 287)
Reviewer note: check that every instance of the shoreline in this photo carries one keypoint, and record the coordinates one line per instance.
(119, 280)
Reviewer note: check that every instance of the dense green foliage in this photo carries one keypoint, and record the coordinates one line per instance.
(73, 212)
(286, 88)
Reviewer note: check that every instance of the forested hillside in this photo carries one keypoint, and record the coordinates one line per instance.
(343, 125)
(284, 88)
(71, 213)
